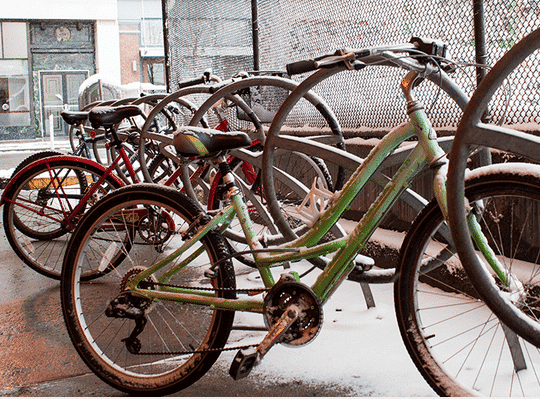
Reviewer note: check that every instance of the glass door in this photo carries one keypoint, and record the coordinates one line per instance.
(60, 90)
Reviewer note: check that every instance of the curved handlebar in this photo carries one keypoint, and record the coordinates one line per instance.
(382, 55)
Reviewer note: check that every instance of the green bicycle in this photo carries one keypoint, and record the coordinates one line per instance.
(158, 321)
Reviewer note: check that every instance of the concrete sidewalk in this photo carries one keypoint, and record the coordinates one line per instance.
(34, 145)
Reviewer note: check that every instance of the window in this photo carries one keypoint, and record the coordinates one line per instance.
(14, 41)
(14, 76)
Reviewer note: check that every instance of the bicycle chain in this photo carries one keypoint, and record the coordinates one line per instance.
(238, 290)
(231, 348)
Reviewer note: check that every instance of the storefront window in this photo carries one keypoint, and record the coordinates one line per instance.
(14, 78)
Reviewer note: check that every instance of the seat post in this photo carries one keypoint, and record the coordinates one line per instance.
(115, 140)
(226, 175)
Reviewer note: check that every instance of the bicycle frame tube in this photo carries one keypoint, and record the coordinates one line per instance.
(193, 296)
(427, 151)
(127, 163)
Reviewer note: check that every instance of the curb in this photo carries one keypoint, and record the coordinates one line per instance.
(33, 145)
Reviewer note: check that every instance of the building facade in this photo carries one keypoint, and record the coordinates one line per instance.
(47, 49)
(141, 41)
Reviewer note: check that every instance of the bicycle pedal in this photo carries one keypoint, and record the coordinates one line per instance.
(243, 363)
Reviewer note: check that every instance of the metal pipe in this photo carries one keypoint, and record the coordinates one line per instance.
(255, 34)
(164, 17)
(479, 38)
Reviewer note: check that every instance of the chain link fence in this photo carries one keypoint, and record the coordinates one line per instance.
(218, 34)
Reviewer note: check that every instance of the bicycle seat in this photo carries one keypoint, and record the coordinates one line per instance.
(192, 141)
(110, 116)
(74, 117)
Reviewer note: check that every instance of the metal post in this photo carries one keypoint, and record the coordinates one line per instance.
(481, 58)
(164, 18)
(479, 38)
(51, 130)
(255, 34)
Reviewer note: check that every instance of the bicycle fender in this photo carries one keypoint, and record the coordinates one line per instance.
(34, 164)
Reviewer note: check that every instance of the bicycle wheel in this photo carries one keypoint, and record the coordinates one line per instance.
(177, 342)
(457, 343)
(492, 96)
(39, 202)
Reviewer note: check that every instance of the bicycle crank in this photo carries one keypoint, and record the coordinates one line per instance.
(293, 315)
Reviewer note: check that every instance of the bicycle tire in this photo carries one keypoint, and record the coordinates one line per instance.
(34, 214)
(34, 157)
(472, 132)
(171, 326)
(161, 168)
(459, 346)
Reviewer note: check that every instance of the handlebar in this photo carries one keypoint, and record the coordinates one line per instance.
(382, 55)
(206, 77)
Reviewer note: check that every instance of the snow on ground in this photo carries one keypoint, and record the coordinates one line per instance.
(6, 174)
(358, 349)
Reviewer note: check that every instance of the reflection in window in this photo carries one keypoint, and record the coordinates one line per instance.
(14, 77)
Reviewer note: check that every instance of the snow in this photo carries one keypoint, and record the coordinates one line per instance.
(358, 349)
(6, 174)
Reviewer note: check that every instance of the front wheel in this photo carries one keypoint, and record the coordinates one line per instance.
(457, 343)
(136, 344)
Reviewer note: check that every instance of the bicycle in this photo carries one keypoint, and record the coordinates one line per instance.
(158, 321)
(512, 293)
(45, 199)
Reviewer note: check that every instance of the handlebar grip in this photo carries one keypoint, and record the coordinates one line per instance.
(296, 68)
(189, 83)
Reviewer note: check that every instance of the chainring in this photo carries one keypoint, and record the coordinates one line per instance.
(287, 292)
(154, 230)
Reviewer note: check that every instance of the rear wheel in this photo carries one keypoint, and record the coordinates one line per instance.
(177, 342)
(39, 210)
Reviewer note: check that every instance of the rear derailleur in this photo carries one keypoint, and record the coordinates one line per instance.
(129, 306)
